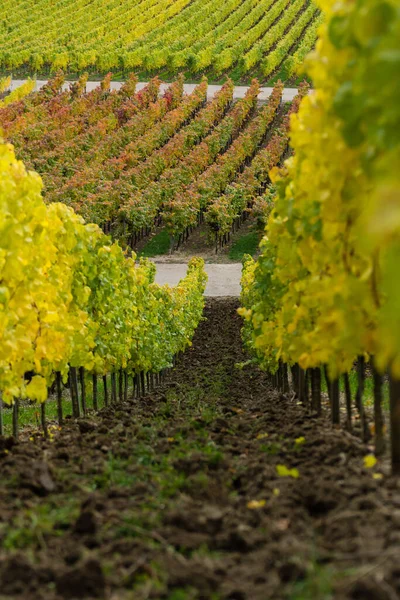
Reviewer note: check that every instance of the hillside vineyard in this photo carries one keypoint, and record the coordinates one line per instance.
(243, 37)
(128, 160)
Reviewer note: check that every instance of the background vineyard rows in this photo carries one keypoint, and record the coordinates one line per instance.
(263, 38)
(130, 161)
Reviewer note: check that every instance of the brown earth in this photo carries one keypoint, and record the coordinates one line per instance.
(176, 495)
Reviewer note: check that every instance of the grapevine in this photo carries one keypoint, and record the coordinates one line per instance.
(324, 290)
(69, 297)
(42, 37)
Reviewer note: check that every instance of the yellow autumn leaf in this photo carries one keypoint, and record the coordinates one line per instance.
(299, 441)
(369, 461)
(255, 504)
(283, 471)
(377, 476)
(262, 436)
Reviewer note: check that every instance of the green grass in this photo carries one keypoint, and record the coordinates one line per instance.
(368, 396)
(159, 244)
(29, 413)
(247, 244)
(31, 526)
(318, 584)
(115, 473)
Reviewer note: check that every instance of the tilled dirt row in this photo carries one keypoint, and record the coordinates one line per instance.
(213, 487)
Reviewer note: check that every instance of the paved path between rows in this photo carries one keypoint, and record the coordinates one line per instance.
(223, 279)
(239, 92)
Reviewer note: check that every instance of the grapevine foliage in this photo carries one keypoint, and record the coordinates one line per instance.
(155, 35)
(326, 288)
(70, 297)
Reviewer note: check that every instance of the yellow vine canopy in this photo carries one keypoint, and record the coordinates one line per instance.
(326, 288)
(70, 297)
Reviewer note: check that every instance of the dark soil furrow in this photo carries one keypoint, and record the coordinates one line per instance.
(177, 495)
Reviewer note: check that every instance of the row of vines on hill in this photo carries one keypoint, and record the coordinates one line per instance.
(325, 292)
(70, 299)
(129, 160)
(154, 35)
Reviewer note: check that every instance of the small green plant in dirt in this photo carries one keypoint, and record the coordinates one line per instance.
(198, 481)
(171, 483)
(32, 525)
(115, 473)
(136, 523)
(187, 594)
(181, 594)
(318, 583)
(246, 244)
(213, 454)
(272, 448)
(159, 244)
(203, 551)
(147, 584)
(198, 403)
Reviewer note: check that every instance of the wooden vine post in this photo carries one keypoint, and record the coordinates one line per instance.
(105, 390)
(136, 385)
(301, 389)
(328, 382)
(359, 398)
(307, 386)
(83, 389)
(295, 378)
(286, 386)
(378, 414)
(126, 381)
(142, 382)
(395, 424)
(335, 401)
(59, 398)
(347, 393)
(1, 416)
(15, 418)
(74, 392)
(43, 419)
(315, 375)
(120, 385)
(95, 400)
(113, 388)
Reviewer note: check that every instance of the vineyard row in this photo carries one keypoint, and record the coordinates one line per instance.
(129, 160)
(158, 35)
(71, 300)
(324, 295)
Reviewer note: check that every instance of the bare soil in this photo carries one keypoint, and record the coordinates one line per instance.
(176, 496)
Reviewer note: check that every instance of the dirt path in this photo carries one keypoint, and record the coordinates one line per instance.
(239, 91)
(176, 496)
(223, 279)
